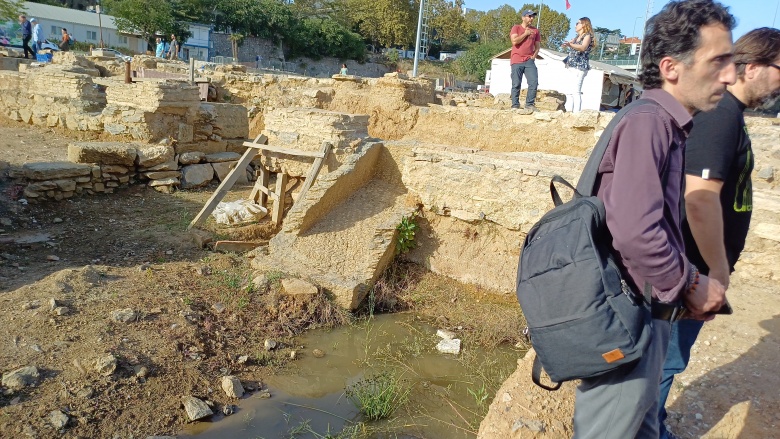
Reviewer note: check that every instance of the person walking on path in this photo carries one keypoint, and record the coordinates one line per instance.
(37, 35)
(65, 43)
(578, 61)
(173, 50)
(159, 50)
(26, 36)
(686, 66)
(718, 189)
(526, 41)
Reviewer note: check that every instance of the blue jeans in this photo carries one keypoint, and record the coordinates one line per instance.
(684, 333)
(532, 76)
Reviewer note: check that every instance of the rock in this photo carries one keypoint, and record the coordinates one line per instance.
(260, 282)
(123, 315)
(153, 155)
(55, 170)
(218, 307)
(542, 116)
(534, 425)
(58, 419)
(31, 305)
(219, 157)
(141, 371)
(191, 158)
(298, 287)
(445, 334)
(269, 344)
(293, 355)
(61, 310)
(222, 170)
(85, 393)
(170, 181)
(232, 386)
(228, 409)
(264, 395)
(449, 346)
(21, 378)
(195, 408)
(194, 176)
(52, 258)
(766, 173)
(104, 153)
(243, 359)
(53, 304)
(585, 119)
(201, 238)
(160, 175)
(317, 353)
(106, 365)
(6, 222)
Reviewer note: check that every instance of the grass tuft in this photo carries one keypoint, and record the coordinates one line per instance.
(378, 396)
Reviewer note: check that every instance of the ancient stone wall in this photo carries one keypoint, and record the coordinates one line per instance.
(249, 48)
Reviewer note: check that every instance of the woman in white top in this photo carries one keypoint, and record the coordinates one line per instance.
(578, 60)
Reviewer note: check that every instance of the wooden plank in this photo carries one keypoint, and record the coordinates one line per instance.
(259, 193)
(261, 139)
(315, 169)
(281, 186)
(223, 188)
(285, 151)
(235, 246)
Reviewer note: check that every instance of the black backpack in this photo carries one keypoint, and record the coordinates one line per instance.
(583, 319)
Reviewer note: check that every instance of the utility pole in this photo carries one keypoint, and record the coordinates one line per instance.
(419, 36)
(539, 15)
(648, 11)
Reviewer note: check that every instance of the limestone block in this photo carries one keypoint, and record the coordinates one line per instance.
(190, 158)
(195, 408)
(171, 181)
(207, 147)
(232, 387)
(222, 170)
(222, 157)
(55, 170)
(65, 185)
(42, 186)
(298, 287)
(153, 155)
(21, 378)
(114, 169)
(115, 128)
(584, 119)
(185, 133)
(158, 175)
(104, 153)
(193, 176)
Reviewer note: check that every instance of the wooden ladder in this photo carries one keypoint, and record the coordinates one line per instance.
(261, 192)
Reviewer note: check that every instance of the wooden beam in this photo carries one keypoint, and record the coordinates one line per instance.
(315, 169)
(281, 186)
(259, 193)
(223, 188)
(286, 151)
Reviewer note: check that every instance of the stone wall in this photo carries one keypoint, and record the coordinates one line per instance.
(247, 50)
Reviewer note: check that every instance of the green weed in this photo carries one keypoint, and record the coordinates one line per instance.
(378, 396)
(406, 230)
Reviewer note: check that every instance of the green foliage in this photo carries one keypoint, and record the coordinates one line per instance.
(476, 60)
(386, 23)
(147, 18)
(10, 9)
(406, 229)
(378, 396)
(317, 37)
(448, 23)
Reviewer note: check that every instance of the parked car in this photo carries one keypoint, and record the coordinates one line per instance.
(116, 53)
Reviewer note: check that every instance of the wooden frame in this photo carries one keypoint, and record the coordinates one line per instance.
(261, 192)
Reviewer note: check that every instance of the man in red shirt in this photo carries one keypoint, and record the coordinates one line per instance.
(525, 45)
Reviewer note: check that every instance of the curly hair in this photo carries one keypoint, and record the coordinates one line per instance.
(759, 46)
(674, 32)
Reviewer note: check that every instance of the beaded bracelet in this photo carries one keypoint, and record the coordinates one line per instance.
(693, 279)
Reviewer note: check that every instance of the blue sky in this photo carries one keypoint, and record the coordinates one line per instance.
(622, 14)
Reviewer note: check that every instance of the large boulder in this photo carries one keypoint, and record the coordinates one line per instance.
(104, 153)
(152, 155)
(194, 176)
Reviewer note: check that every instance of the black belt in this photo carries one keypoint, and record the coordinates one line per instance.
(667, 311)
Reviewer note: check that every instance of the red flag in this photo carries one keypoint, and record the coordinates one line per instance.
(568, 5)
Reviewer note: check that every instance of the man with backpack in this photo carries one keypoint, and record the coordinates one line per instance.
(686, 66)
(718, 190)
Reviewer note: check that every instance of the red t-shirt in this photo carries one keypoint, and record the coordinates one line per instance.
(524, 51)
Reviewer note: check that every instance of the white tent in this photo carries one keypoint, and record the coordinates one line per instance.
(601, 83)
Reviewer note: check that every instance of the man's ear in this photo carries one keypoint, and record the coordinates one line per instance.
(669, 68)
(751, 70)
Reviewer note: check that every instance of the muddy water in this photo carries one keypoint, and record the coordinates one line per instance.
(448, 395)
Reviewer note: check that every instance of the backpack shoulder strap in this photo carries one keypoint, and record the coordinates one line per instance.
(587, 182)
(536, 376)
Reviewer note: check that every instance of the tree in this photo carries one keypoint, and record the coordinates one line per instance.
(10, 9)
(383, 22)
(448, 23)
(146, 18)
(476, 61)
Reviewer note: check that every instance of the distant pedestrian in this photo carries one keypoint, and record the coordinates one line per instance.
(526, 42)
(159, 50)
(37, 35)
(65, 43)
(26, 35)
(258, 61)
(173, 51)
(343, 70)
(578, 61)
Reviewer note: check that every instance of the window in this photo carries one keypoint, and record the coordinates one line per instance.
(122, 39)
(92, 35)
(54, 30)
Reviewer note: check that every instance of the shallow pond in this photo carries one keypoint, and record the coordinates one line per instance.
(448, 395)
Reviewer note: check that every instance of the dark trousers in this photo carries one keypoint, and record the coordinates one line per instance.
(26, 46)
(532, 76)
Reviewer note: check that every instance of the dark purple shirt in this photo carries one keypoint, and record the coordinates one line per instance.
(642, 215)
(26, 29)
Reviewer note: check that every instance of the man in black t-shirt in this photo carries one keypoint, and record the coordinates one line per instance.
(718, 191)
